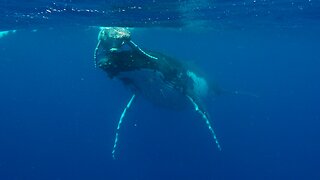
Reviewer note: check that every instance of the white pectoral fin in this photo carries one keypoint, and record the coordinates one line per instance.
(119, 125)
(205, 117)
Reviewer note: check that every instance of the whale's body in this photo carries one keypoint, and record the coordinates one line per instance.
(163, 80)
(152, 86)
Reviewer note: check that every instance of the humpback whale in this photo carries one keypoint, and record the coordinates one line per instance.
(160, 79)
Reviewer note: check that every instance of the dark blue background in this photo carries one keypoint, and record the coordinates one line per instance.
(58, 114)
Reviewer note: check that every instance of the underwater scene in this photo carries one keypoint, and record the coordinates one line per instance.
(159, 90)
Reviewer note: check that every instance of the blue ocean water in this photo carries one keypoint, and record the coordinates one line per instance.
(58, 113)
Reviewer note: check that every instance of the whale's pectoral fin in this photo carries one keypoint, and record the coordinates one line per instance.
(119, 125)
(96, 53)
(205, 117)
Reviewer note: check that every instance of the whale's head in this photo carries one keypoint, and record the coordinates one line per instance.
(112, 38)
(111, 53)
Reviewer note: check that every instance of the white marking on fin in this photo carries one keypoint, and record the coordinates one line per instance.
(133, 45)
(205, 117)
(95, 54)
(119, 125)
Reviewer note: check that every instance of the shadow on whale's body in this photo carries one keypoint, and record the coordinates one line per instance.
(160, 79)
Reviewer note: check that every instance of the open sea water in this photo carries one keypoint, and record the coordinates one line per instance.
(58, 113)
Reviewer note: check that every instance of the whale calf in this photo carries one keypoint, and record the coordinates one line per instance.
(159, 78)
